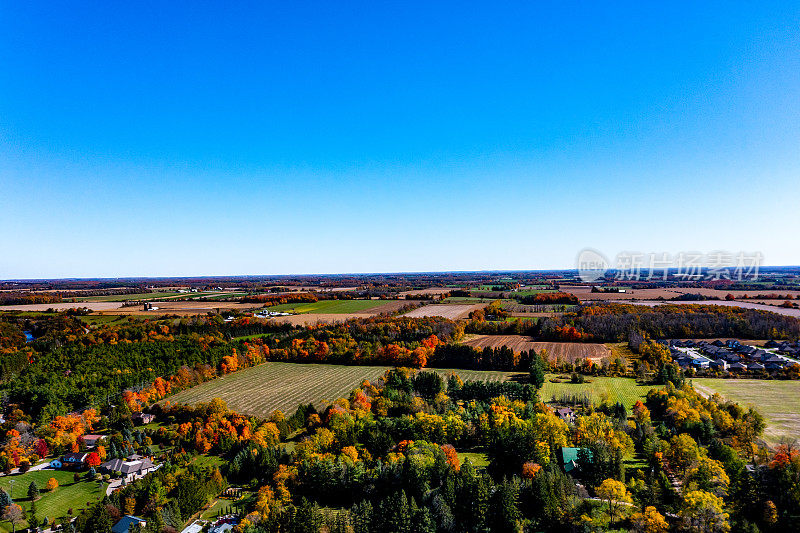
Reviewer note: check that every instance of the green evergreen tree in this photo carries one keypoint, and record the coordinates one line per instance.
(33, 491)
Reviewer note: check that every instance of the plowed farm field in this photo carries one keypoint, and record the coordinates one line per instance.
(451, 311)
(565, 351)
(262, 389)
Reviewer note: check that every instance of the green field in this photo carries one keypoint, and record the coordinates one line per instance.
(777, 401)
(598, 389)
(68, 495)
(329, 306)
(262, 389)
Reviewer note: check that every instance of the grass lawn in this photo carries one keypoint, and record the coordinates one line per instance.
(478, 459)
(250, 337)
(53, 504)
(777, 401)
(328, 306)
(215, 510)
(208, 460)
(623, 390)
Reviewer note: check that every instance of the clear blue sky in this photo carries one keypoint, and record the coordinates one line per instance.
(317, 137)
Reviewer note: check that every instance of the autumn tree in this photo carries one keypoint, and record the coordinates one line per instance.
(649, 521)
(614, 493)
(703, 512)
(51, 485)
(93, 459)
(13, 513)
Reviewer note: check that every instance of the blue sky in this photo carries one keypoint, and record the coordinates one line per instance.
(202, 138)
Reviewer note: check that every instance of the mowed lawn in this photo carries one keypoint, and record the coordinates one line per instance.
(55, 504)
(777, 401)
(262, 389)
(623, 390)
(329, 306)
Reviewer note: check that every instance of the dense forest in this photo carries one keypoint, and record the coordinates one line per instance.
(387, 459)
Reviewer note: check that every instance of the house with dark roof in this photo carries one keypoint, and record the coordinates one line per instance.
(130, 467)
(141, 419)
(74, 459)
(755, 366)
(719, 364)
(738, 367)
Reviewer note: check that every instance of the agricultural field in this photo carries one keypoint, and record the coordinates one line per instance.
(565, 351)
(777, 401)
(334, 307)
(451, 311)
(430, 291)
(584, 293)
(262, 389)
(55, 504)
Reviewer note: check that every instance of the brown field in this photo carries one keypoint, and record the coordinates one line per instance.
(63, 306)
(737, 294)
(451, 311)
(565, 351)
(433, 291)
(586, 294)
(740, 303)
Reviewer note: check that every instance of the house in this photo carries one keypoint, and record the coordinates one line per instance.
(566, 414)
(720, 364)
(194, 527)
(755, 366)
(56, 464)
(569, 458)
(75, 459)
(124, 524)
(92, 440)
(771, 344)
(130, 467)
(737, 367)
(140, 418)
